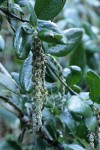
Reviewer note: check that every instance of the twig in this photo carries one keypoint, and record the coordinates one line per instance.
(6, 99)
(21, 136)
(12, 15)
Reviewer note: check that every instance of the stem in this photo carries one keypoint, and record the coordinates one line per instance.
(6, 99)
(12, 15)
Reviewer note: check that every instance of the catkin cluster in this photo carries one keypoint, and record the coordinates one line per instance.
(38, 79)
(61, 76)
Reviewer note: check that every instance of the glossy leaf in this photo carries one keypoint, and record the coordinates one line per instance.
(88, 30)
(76, 88)
(22, 43)
(2, 44)
(82, 129)
(74, 36)
(50, 122)
(51, 33)
(8, 83)
(76, 105)
(51, 37)
(27, 28)
(33, 17)
(14, 6)
(72, 75)
(67, 118)
(15, 76)
(91, 123)
(25, 75)
(48, 9)
(93, 82)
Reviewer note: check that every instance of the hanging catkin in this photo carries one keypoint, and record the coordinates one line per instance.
(61, 76)
(38, 79)
(91, 141)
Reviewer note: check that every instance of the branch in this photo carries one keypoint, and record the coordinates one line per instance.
(12, 15)
(6, 99)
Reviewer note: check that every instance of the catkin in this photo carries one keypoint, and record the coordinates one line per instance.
(38, 79)
(91, 141)
(61, 76)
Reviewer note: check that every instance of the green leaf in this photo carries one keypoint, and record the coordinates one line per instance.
(88, 30)
(74, 36)
(50, 123)
(2, 44)
(33, 17)
(27, 28)
(67, 118)
(76, 88)
(93, 82)
(82, 129)
(76, 105)
(15, 76)
(8, 83)
(72, 75)
(22, 43)
(48, 9)
(25, 75)
(78, 57)
(14, 6)
(91, 123)
(51, 33)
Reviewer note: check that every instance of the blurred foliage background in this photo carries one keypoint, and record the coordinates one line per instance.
(83, 14)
